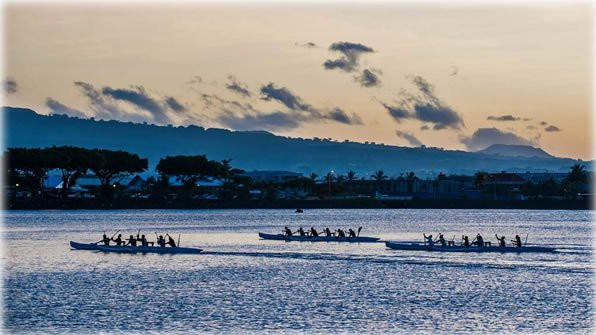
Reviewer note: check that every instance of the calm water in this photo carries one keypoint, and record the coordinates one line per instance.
(242, 284)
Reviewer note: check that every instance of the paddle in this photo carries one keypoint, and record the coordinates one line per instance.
(178, 240)
(359, 229)
(526, 242)
(114, 234)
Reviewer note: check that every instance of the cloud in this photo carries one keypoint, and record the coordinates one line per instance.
(59, 108)
(454, 71)
(284, 96)
(531, 127)
(309, 45)
(552, 128)
(101, 106)
(543, 123)
(10, 86)
(408, 137)
(237, 87)
(139, 98)
(368, 78)
(485, 137)
(338, 115)
(425, 107)
(503, 118)
(174, 104)
(350, 52)
(424, 127)
(293, 102)
(397, 113)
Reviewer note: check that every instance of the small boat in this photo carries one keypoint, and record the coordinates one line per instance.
(458, 248)
(298, 210)
(299, 238)
(132, 250)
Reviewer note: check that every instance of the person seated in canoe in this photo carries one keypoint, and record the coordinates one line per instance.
(340, 233)
(132, 241)
(143, 240)
(429, 240)
(287, 231)
(118, 240)
(301, 231)
(351, 233)
(105, 239)
(161, 241)
(466, 241)
(479, 241)
(328, 232)
(171, 241)
(313, 232)
(517, 242)
(441, 239)
(501, 240)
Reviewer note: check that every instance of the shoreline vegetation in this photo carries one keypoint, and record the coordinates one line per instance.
(107, 179)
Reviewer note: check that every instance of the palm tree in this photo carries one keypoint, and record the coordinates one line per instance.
(313, 176)
(576, 177)
(379, 175)
(351, 176)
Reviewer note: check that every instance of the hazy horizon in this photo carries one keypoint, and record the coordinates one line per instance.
(451, 76)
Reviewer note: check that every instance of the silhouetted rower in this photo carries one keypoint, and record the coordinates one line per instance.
(118, 240)
(501, 240)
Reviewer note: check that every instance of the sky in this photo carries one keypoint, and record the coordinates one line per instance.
(456, 76)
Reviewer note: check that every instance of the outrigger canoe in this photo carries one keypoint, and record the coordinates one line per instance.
(130, 249)
(299, 238)
(457, 248)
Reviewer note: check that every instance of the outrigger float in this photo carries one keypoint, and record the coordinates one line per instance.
(282, 237)
(454, 248)
(133, 250)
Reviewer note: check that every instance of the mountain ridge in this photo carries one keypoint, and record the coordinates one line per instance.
(257, 150)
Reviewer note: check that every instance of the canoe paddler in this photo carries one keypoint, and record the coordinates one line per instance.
(479, 241)
(171, 241)
(441, 239)
(340, 233)
(161, 241)
(313, 232)
(351, 233)
(143, 240)
(429, 240)
(517, 242)
(118, 240)
(132, 241)
(328, 232)
(105, 239)
(301, 231)
(287, 231)
(466, 241)
(501, 240)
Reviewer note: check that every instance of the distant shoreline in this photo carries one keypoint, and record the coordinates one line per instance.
(541, 204)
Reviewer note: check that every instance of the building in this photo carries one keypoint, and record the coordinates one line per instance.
(274, 176)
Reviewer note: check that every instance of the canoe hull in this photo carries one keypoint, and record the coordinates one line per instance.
(437, 248)
(280, 237)
(132, 250)
(153, 250)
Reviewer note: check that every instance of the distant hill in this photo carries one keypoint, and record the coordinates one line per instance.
(257, 150)
(515, 150)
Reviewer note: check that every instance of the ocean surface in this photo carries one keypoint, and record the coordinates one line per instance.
(245, 285)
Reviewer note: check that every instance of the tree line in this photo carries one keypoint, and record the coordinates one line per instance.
(28, 168)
